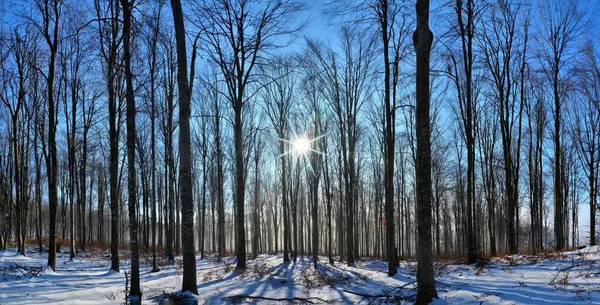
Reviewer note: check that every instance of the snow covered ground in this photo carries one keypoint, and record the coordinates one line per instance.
(565, 278)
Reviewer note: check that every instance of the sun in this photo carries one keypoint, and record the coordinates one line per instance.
(301, 146)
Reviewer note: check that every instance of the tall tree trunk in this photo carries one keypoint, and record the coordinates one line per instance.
(72, 171)
(467, 109)
(202, 209)
(83, 175)
(17, 181)
(422, 39)
(327, 191)
(389, 143)
(240, 186)
(168, 121)
(255, 221)
(294, 207)
(185, 166)
(153, 65)
(51, 159)
(202, 223)
(135, 293)
(38, 188)
(169, 204)
(559, 237)
(114, 172)
(220, 191)
(340, 214)
(314, 172)
(593, 178)
(113, 109)
(284, 197)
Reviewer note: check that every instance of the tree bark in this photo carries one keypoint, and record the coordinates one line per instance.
(134, 291)
(422, 39)
(240, 186)
(389, 139)
(51, 36)
(185, 166)
(110, 56)
(153, 65)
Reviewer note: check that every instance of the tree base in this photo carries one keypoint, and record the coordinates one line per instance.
(134, 300)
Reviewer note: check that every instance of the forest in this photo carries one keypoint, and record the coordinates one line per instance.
(382, 145)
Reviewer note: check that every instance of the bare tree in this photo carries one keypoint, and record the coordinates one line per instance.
(154, 25)
(536, 122)
(393, 25)
(312, 94)
(501, 48)
(185, 167)
(467, 16)
(168, 129)
(220, 175)
(256, 202)
(587, 128)
(89, 96)
(487, 143)
(37, 141)
(202, 136)
(135, 293)
(71, 59)
(561, 25)
(327, 189)
(108, 15)
(278, 95)
(51, 11)
(422, 39)
(13, 96)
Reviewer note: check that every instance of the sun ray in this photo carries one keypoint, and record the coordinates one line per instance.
(301, 146)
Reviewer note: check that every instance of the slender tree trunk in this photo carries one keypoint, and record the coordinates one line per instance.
(255, 226)
(593, 177)
(327, 190)
(135, 293)
(72, 171)
(113, 132)
(38, 189)
(17, 181)
(51, 159)
(389, 144)
(559, 238)
(340, 218)
(314, 184)
(202, 212)
(220, 191)
(83, 184)
(284, 196)
(185, 166)
(239, 185)
(153, 65)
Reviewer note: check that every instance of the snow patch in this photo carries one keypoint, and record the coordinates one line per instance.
(571, 277)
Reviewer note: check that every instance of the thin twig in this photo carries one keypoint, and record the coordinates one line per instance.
(563, 270)
(294, 300)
